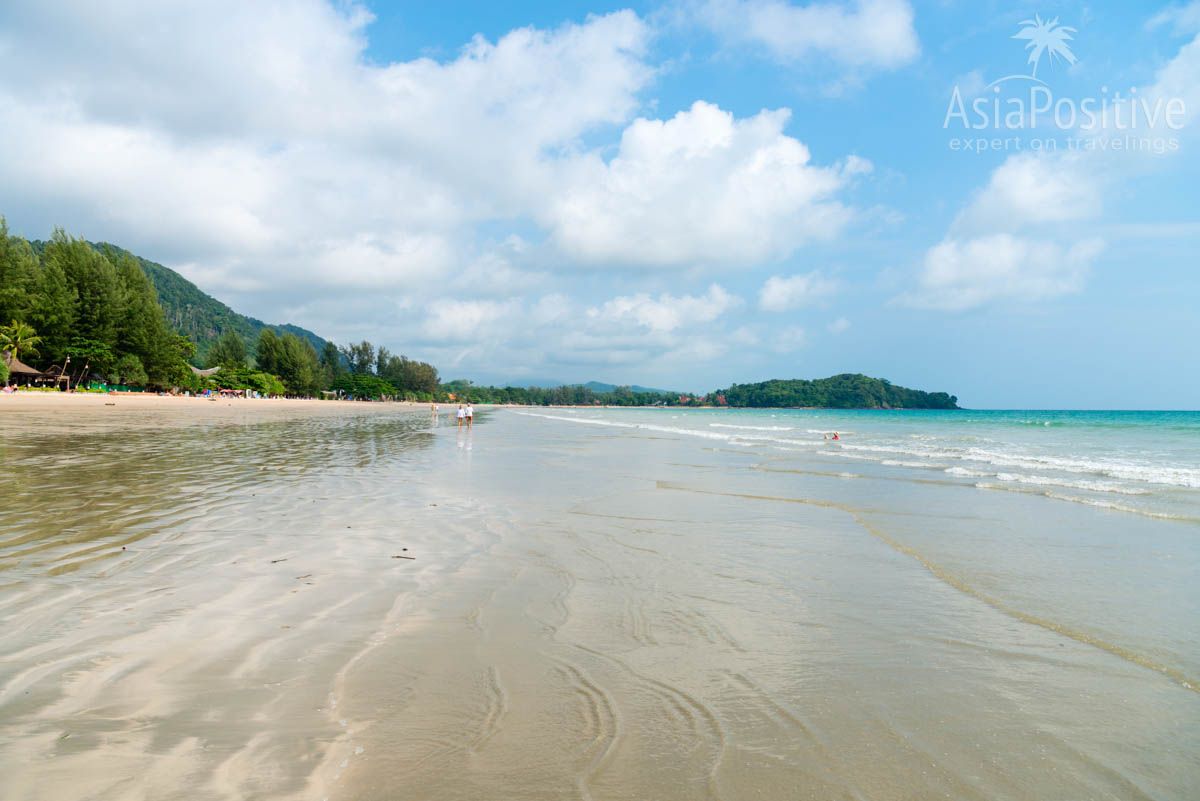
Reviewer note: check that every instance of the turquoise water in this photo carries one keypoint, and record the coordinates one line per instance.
(1145, 463)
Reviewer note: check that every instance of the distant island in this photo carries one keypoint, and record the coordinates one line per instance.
(95, 317)
(846, 391)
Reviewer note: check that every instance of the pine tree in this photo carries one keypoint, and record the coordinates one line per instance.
(229, 351)
(94, 280)
(52, 311)
(18, 275)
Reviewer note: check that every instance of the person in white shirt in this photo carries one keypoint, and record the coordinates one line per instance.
(462, 415)
(470, 415)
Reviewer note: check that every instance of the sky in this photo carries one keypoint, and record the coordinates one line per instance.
(679, 194)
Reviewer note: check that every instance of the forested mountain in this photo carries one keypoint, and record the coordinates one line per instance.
(193, 313)
(99, 315)
(846, 391)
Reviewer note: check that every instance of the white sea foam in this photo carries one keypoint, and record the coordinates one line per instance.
(929, 453)
(751, 428)
(1087, 501)
(1130, 471)
(968, 473)
(903, 463)
(1083, 484)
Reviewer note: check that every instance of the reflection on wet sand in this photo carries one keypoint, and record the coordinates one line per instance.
(586, 616)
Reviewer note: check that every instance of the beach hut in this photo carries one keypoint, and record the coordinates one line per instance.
(22, 373)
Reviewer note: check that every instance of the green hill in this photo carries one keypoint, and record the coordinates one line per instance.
(601, 387)
(196, 314)
(846, 391)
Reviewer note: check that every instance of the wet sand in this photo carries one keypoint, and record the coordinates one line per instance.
(213, 609)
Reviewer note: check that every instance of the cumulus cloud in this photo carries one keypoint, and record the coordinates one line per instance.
(781, 293)
(838, 326)
(284, 141)
(447, 204)
(466, 320)
(963, 274)
(631, 331)
(701, 187)
(875, 34)
(666, 313)
(1030, 189)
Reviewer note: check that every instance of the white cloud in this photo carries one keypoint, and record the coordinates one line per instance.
(466, 320)
(702, 187)
(780, 293)
(258, 139)
(963, 274)
(260, 150)
(876, 34)
(666, 313)
(1029, 189)
(838, 326)
(1182, 18)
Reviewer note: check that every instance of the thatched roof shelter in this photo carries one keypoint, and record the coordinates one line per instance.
(16, 367)
(204, 373)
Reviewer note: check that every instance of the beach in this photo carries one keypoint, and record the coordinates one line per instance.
(322, 600)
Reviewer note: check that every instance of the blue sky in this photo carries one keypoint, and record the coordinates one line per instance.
(680, 194)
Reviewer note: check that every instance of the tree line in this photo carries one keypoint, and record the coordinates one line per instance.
(87, 312)
(566, 395)
(93, 313)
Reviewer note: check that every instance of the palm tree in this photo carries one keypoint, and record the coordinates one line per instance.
(1046, 37)
(19, 339)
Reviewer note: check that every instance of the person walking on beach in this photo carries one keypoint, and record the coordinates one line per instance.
(470, 415)
(462, 415)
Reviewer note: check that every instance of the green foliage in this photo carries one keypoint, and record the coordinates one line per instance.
(3, 372)
(229, 352)
(52, 309)
(364, 386)
(291, 358)
(407, 375)
(18, 275)
(360, 356)
(245, 378)
(846, 391)
(566, 395)
(331, 362)
(19, 339)
(97, 291)
(129, 371)
(97, 308)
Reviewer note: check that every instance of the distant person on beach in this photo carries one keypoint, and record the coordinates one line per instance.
(462, 415)
(470, 415)
(9, 389)
(835, 437)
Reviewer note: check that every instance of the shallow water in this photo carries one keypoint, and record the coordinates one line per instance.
(601, 604)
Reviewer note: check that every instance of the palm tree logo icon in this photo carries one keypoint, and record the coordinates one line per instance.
(1046, 38)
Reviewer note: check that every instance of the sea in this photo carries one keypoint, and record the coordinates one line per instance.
(601, 603)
